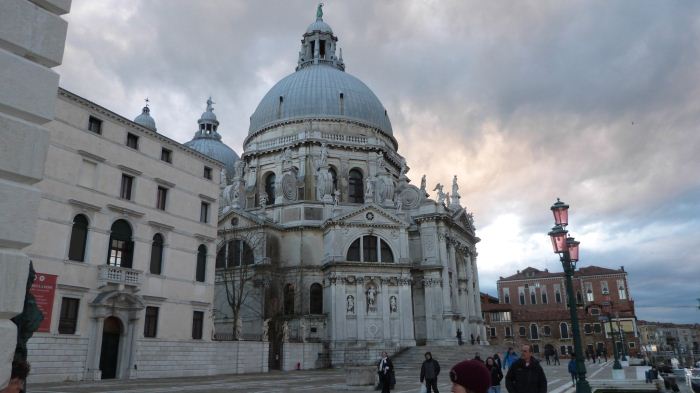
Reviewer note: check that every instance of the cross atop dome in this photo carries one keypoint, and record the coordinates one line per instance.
(145, 118)
(319, 44)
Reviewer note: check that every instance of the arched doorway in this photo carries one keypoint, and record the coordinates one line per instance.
(109, 354)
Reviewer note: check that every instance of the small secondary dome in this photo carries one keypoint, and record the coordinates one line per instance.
(145, 118)
(208, 141)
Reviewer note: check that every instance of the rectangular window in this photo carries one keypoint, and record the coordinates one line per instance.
(587, 328)
(521, 295)
(535, 348)
(544, 297)
(557, 297)
(166, 155)
(197, 325)
(150, 325)
(68, 320)
(207, 172)
(95, 125)
(604, 287)
(621, 289)
(589, 292)
(204, 213)
(506, 295)
(508, 332)
(597, 328)
(161, 197)
(127, 185)
(132, 141)
(493, 332)
(533, 297)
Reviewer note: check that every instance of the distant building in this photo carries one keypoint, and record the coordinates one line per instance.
(666, 340)
(532, 308)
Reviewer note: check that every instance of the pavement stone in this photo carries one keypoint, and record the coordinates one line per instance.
(330, 380)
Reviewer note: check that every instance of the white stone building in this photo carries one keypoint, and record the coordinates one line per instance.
(127, 223)
(347, 253)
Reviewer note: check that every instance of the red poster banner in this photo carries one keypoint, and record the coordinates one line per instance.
(44, 289)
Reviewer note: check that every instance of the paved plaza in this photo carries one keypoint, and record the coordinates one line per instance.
(297, 381)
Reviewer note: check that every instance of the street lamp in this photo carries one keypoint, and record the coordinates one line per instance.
(568, 250)
(608, 304)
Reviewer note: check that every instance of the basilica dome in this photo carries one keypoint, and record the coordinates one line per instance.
(320, 89)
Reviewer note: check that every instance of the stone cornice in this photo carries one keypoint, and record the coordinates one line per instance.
(90, 156)
(161, 226)
(164, 182)
(84, 205)
(132, 171)
(125, 211)
(207, 198)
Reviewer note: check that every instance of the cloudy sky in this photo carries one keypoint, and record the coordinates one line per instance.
(596, 102)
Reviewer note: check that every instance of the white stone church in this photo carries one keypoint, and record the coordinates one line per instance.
(339, 249)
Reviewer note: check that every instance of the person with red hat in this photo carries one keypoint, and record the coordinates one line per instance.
(470, 376)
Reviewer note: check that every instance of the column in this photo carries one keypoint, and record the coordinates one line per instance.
(32, 38)
(92, 368)
(384, 308)
(444, 261)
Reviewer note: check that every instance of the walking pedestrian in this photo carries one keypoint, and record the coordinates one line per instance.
(546, 356)
(588, 355)
(572, 370)
(477, 357)
(526, 374)
(605, 354)
(470, 376)
(385, 369)
(429, 372)
(497, 360)
(556, 358)
(509, 358)
(472, 337)
(459, 337)
(18, 377)
(496, 375)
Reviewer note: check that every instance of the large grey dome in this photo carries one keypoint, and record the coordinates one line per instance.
(315, 92)
(145, 119)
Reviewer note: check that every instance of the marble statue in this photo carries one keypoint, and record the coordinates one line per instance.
(422, 185)
(455, 193)
(302, 330)
(369, 190)
(393, 307)
(238, 169)
(441, 195)
(285, 332)
(380, 161)
(404, 169)
(399, 205)
(350, 308)
(324, 155)
(263, 201)
(266, 330)
(222, 178)
(336, 197)
(371, 296)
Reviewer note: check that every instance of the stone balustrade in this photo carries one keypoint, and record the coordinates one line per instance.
(119, 275)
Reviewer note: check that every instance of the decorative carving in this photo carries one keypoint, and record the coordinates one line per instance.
(422, 186)
(369, 216)
(410, 198)
(381, 164)
(350, 304)
(393, 305)
(265, 330)
(399, 205)
(222, 178)
(369, 190)
(289, 187)
(285, 332)
(431, 282)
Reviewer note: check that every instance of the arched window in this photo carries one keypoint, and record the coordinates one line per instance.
(533, 297)
(522, 331)
(156, 254)
(316, 299)
(239, 252)
(221, 257)
(270, 188)
(78, 238)
(121, 248)
(334, 175)
(506, 298)
(289, 299)
(370, 248)
(547, 330)
(200, 273)
(564, 330)
(534, 335)
(356, 191)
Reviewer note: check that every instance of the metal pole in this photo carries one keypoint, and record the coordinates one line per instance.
(616, 365)
(582, 385)
(622, 339)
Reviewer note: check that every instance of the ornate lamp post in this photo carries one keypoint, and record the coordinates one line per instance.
(608, 304)
(567, 248)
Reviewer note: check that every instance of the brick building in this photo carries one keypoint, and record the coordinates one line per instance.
(532, 308)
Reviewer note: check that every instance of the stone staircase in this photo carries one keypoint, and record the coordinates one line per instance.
(448, 356)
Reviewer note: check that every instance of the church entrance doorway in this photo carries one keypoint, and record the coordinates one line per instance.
(274, 361)
(109, 354)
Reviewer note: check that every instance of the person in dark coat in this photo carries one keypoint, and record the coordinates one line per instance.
(526, 375)
(429, 372)
(385, 369)
(496, 375)
(477, 357)
(556, 357)
(497, 360)
(572, 369)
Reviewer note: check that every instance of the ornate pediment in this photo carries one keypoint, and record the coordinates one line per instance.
(464, 219)
(237, 218)
(370, 215)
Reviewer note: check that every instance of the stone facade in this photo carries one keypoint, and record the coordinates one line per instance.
(119, 251)
(344, 250)
(532, 308)
(32, 38)
(666, 340)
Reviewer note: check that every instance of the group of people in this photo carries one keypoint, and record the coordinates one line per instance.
(524, 375)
